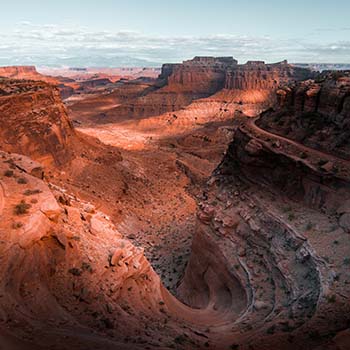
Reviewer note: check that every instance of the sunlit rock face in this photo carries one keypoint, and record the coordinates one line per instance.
(179, 85)
(34, 121)
(256, 75)
(268, 262)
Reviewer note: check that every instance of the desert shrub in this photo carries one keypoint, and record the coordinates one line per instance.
(331, 298)
(271, 330)
(309, 226)
(8, 173)
(17, 225)
(86, 267)
(346, 261)
(22, 181)
(180, 339)
(31, 192)
(22, 208)
(75, 272)
(291, 217)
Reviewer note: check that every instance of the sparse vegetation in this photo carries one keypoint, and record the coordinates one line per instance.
(271, 330)
(180, 339)
(31, 192)
(22, 208)
(331, 298)
(86, 267)
(22, 181)
(291, 217)
(346, 261)
(309, 226)
(287, 209)
(75, 271)
(8, 173)
(17, 225)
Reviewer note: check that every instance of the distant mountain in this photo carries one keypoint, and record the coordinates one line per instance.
(324, 66)
(79, 61)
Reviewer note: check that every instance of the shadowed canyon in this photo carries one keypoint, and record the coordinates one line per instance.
(203, 205)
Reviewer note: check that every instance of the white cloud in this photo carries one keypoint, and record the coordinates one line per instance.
(54, 44)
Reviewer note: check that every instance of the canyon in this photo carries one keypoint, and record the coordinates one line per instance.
(205, 205)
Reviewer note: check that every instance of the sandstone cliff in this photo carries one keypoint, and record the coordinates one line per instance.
(180, 84)
(256, 75)
(34, 121)
(272, 244)
(315, 113)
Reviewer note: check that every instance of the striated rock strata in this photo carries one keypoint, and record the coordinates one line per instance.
(315, 113)
(34, 121)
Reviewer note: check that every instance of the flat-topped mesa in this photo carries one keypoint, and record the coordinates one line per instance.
(25, 72)
(256, 75)
(34, 121)
(205, 75)
(17, 71)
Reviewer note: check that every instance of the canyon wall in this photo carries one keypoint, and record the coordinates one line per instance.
(25, 72)
(180, 84)
(272, 242)
(34, 121)
(256, 75)
(315, 113)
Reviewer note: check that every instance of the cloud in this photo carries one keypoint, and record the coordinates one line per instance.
(52, 44)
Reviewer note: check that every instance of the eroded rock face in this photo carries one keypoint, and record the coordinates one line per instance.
(19, 72)
(34, 121)
(315, 113)
(202, 75)
(180, 84)
(277, 223)
(67, 268)
(256, 75)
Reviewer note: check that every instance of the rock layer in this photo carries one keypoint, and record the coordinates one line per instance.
(34, 121)
(315, 113)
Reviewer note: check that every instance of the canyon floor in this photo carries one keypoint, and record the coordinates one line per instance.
(208, 207)
(172, 156)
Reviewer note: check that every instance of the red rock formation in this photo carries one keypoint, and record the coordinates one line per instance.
(273, 226)
(205, 76)
(34, 121)
(315, 113)
(202, 75)
(256, 75)
(25, 72)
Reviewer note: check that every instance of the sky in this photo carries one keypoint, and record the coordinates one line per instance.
(152, 32)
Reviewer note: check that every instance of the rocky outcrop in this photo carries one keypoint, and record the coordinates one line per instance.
(93, 83)
(18, 72)
(256, 75)
(25, 72)
(180, 84)
(65, 269)
(202, 75)
(34, 121)
(273, 227)
(315, 113)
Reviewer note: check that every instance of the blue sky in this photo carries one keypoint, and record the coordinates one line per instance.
(149, 32)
